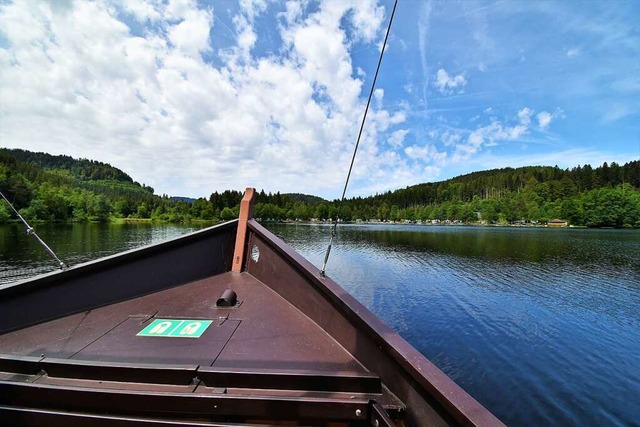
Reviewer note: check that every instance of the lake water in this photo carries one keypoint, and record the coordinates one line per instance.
(542, 326)
(21, 256)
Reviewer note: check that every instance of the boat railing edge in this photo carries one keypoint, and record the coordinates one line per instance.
(449, 394)
(110, 260)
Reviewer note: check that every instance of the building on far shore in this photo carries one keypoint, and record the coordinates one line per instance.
(557, 223)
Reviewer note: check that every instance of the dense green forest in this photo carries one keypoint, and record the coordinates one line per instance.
(607, 196)
(44, 187)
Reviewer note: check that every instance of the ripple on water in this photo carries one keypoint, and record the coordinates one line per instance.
(541, 326)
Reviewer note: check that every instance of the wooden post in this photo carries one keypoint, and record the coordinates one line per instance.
(246, 213)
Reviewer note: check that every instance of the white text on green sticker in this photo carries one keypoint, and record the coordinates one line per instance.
(175, 328)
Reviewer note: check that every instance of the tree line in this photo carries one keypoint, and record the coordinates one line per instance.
(606, 196)
(58, 188)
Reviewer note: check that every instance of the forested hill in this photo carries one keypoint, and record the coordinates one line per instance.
(306, 198)
(44, 187)
(82, 169)
(606, 196)
(550, 182)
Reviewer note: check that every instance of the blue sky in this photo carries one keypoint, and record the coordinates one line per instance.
(192, 97)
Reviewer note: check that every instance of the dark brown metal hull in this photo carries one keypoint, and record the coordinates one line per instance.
(296, 349)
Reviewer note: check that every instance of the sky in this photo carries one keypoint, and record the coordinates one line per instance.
(194, 97)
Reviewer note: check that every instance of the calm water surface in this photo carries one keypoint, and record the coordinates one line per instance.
(21, 256)
(542, 326)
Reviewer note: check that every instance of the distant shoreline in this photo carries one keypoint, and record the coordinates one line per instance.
(320, 222)
(440, 224)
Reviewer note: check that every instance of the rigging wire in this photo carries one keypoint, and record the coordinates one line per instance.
(355, 150)
(31, 231)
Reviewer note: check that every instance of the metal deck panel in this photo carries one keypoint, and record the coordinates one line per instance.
(264, 331)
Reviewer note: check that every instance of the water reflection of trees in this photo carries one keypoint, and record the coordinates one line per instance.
(582, 247)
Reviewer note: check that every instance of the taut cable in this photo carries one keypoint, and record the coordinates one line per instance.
(31, 231)
(355, 150)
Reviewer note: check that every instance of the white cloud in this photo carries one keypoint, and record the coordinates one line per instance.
(493, 133)
(447, 84)
(568, 158)
(142, 10)
(427, 153)
(525, 116)
(431, 173)
(378, 94)
(246, 36)
(292, 12)
(78, 82)
(397, 138)
(450, 138)
(544, 119)
(253, 8)
(191, 35)
(321, 49)
(367, 18)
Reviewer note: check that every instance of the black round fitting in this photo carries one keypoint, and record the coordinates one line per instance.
(227, 299)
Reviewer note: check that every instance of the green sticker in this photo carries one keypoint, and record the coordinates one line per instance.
(175, 328)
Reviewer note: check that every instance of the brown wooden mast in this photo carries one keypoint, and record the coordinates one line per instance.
(246, 213)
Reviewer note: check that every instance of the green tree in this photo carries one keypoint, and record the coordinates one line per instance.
(143, 211)
(322, 212)
(5, 212)
(488, 211)
(383, 212)
(301, 211)
(345, 213)
(227, 214)
(35, 211)
(612, 207)
(99, 209)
